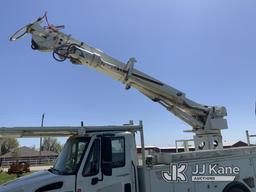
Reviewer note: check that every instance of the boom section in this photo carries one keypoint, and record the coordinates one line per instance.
(206, 121)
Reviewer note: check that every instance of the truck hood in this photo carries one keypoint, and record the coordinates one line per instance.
(37, 180)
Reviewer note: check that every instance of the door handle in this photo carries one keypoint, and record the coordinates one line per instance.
(123, 175)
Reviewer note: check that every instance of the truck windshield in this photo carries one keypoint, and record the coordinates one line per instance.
(71, 156)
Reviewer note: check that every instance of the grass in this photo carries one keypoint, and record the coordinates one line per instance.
(5, 177)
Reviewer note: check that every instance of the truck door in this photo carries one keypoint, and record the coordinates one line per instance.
(91, 178)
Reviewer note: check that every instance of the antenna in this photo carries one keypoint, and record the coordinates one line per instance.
(255, 109)
(42, 125)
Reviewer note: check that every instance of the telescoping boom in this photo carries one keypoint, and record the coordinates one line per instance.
(206, 121)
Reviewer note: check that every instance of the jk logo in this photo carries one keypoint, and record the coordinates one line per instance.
(176, 173)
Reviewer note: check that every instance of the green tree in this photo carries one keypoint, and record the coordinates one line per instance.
(7, 144)
(51, 144)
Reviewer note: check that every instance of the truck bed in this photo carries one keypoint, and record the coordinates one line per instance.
(244, 157)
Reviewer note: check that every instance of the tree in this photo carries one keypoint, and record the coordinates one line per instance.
(7, 144)
(51, 144)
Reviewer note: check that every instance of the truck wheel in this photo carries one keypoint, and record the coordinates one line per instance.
(236, 190)
(236, 187)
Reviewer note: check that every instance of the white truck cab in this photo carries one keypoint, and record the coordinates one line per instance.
(96, 161)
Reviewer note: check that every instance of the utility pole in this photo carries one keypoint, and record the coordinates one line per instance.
(40, 147)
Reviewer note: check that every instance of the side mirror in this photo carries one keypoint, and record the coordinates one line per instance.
(106, 164)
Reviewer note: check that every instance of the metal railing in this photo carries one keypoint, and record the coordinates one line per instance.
(6, 162)
(248, 136)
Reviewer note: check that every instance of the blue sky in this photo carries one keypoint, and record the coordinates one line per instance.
(204, 48)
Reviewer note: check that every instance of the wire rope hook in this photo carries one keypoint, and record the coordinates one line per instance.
(50, 26)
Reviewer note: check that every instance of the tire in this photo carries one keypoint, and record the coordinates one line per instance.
(236, 187)
(236, 190)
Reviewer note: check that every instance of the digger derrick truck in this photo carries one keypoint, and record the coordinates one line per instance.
(105, 158)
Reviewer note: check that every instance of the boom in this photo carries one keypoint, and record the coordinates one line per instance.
(206, 121)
